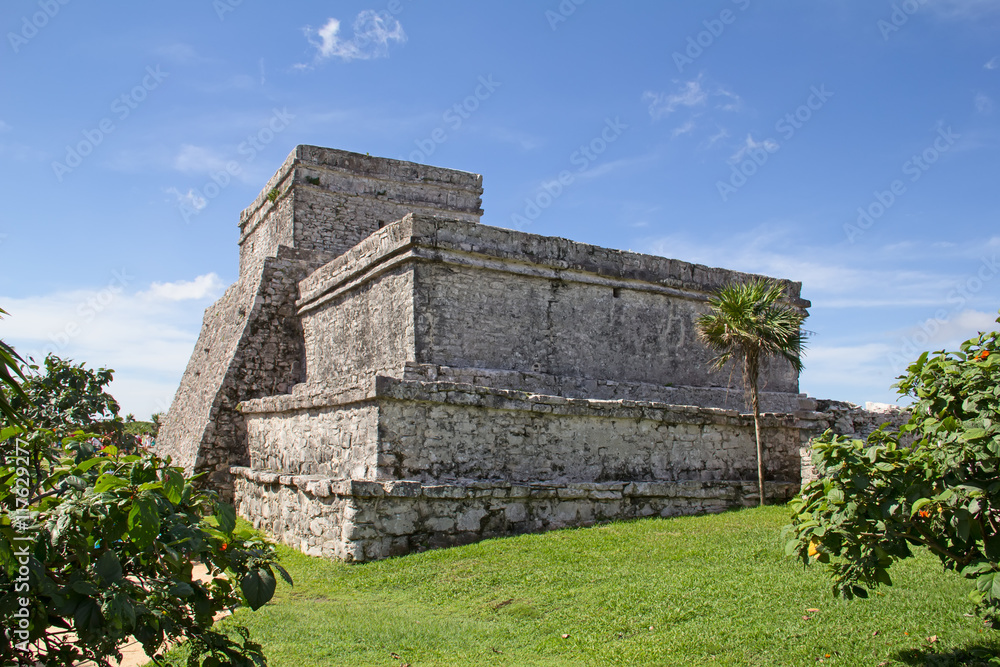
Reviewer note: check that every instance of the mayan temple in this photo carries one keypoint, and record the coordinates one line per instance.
(389, 375)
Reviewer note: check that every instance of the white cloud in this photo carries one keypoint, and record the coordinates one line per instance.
(870, 304)
(951, 331)
(188, 200)
(181, 53)
(145, 335)
(993, 63)
(373, 32)
(4, 127)
(963, 9)
(199, 160)
(683, 129)
(983, 103)
(850, 372)
(723, 133)
(770, 145)
(506, 135)
(691, 94)
(208, 285)
(731, 101)
(840, 275)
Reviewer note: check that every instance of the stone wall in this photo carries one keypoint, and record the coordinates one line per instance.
(338, 441)
(497, 299)
(250, 346)
(330, 200)
(610, 390)
(388, 375)
(431, 431)
(363, 520)
(849, 420)
(319, 204)
(366, 330)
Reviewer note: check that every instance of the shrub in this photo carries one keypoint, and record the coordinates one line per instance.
(98, 539)
(876, 501)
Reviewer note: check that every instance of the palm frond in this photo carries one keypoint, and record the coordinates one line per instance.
(747, 317)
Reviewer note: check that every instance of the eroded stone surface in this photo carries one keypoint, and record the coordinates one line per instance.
(388, 375)
(359, 524)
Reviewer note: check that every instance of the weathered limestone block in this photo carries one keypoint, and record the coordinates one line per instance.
(319, 204)
(428, 298)
(460, 436)
(419, 521)
(388, 375)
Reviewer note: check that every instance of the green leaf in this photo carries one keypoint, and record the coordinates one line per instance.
(90, 463)
(106, 482)
(173, 486)
(143, 522)
(973, 434)
(964, 528)
(84, 587)
(225, 514)
(258, 587)
(859, 592)
(989, 585)
(182, 589)
(284, 574)
(87, 616)
(108, 567)
(992, 545)
(919, 504)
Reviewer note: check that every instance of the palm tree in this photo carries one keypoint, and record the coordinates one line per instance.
(10, 365)
(748, 324)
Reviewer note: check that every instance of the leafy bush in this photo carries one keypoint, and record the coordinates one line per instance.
(875, 501)
(98, 539)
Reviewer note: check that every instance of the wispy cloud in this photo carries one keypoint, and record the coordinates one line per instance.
(205, 160)
(691, 94)
(199, 160)
(993, 63)
(4, 127)
(146, 335)
(507, 135)
(912, 283)
(202, 287)
(983, 103)
(373, 33)
(695, 99)
(964, 9)
(723, 133)
(837, 276)
(188, 200)
(181, 53)
(683, 129)
(770, 145)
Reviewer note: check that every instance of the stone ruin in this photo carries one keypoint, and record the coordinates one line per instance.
(389, 375)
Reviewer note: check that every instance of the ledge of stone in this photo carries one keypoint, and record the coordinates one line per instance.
(453, 240)
(322, 487)
(307, 397)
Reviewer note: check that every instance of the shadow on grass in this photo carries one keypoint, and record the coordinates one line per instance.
(978, 655)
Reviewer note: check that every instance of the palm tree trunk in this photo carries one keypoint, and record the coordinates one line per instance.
(752, 377)
(760, 447)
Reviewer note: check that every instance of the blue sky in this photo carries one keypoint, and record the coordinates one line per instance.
(851, 145)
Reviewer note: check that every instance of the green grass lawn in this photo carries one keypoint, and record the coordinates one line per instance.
(710, 590)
